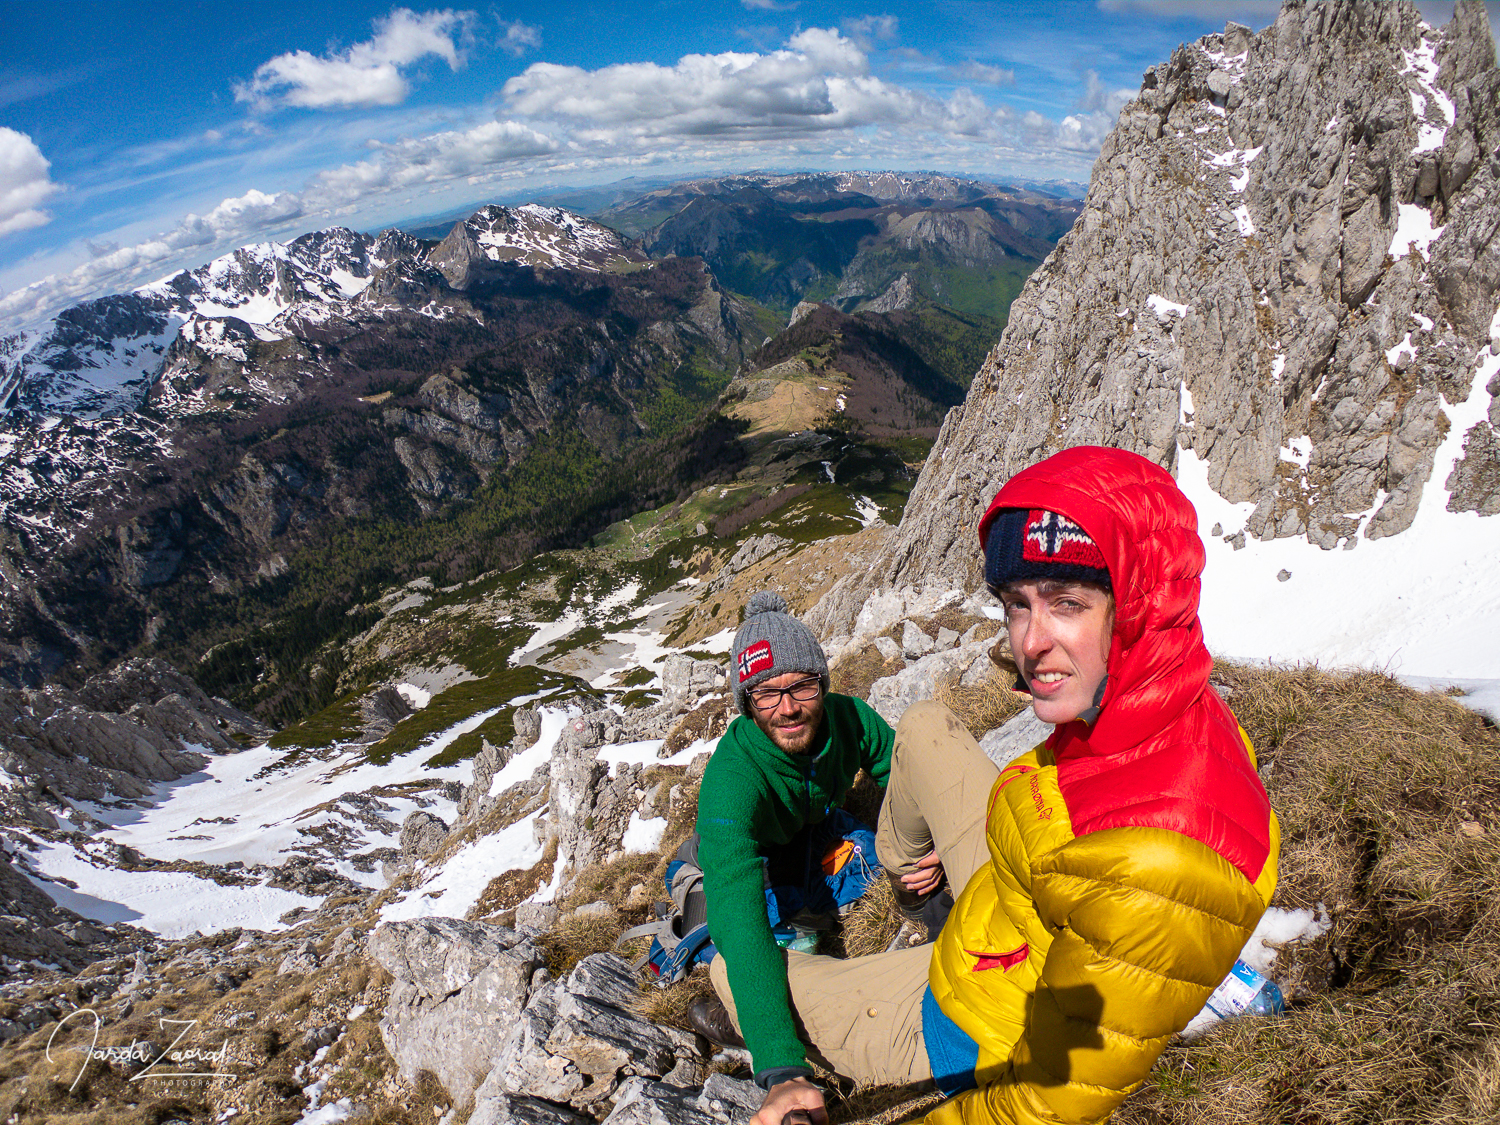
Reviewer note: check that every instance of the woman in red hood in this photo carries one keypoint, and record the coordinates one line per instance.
(1114, 872)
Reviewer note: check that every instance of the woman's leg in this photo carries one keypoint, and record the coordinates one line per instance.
(862, 1016)
(936, 797)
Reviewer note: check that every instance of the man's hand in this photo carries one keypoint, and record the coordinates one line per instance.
(795, 1093)
(927, 877)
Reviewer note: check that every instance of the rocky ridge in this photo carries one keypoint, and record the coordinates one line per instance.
(1285, 269)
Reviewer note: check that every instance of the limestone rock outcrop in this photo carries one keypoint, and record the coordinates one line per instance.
(1286, 269)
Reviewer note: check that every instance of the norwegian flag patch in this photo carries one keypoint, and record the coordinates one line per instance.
(756, 658)
(1051, 538)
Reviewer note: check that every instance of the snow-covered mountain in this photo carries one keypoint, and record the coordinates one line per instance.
(529, 235)
(102, 357)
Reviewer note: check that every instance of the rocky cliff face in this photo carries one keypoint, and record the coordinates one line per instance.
(1286, 267)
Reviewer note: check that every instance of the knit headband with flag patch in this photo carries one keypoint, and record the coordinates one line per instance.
(1034, 544)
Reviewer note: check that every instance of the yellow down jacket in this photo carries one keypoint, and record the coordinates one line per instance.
(1131, 857)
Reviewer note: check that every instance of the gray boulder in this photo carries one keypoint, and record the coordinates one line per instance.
(495, 1108)
(682, 676)
(892, 695)
(459, 989)
(914, 642)
(524, 1065)
(1014, 737)
(643, 1102)
(422, 833)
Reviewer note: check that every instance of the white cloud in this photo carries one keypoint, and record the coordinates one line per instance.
(429, 159)
(1085, 132)
(519, 38)
(367, 74)
(1096, 99)
(769, 5)
(25, 182)
(972, 71)
(820, 80)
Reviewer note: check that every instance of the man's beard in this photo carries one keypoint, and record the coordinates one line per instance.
(809, 720)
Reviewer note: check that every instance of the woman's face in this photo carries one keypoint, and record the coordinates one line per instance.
(1059, 635)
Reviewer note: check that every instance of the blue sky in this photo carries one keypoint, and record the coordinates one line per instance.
(136, 139)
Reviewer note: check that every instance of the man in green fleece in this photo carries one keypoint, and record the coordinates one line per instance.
(779, 770)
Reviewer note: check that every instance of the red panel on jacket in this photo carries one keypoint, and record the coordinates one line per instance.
(1165, 751)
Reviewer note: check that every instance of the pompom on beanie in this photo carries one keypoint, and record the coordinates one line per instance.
(770, 643)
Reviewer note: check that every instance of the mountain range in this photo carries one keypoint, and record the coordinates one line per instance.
(195, 461)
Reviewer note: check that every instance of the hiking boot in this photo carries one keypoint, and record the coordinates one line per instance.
(922, 911)
(710, 1019)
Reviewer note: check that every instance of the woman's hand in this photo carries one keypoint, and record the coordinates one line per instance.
(927, 877)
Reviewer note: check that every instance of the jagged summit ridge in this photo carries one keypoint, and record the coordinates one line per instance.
(104, 356)
(1285, 271)
(529, 235)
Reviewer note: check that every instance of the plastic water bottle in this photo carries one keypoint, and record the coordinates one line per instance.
(1245, 992)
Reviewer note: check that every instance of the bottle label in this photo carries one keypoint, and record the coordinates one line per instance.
(1236, 991)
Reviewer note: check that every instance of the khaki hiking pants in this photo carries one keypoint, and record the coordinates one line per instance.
(863, 1016)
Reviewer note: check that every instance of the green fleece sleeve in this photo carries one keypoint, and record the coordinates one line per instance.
(877, 743)
(734, 883)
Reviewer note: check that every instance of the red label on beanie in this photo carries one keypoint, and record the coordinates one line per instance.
(1052, 538)
(755, 658)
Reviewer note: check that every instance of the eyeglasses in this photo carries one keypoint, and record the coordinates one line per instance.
(803, 691)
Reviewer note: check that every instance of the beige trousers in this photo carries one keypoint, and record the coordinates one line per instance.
(862, 1017)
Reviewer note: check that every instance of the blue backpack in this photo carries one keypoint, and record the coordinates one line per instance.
(679, 935)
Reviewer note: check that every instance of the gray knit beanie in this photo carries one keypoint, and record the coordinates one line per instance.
(770, 643)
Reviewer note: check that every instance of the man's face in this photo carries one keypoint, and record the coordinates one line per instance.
(1059, 636)
(789, 722)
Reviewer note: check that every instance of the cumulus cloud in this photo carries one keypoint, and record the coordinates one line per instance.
(367, 74)
(25, 182)
(429, 159)
(820, 80)
(1085, 131)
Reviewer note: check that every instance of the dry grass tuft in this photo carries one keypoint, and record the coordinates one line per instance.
(575, 937)
(872, 924)
(854, 674)
(1386, 798)
(880, 1105)
(669, 1005)
(985, 705)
